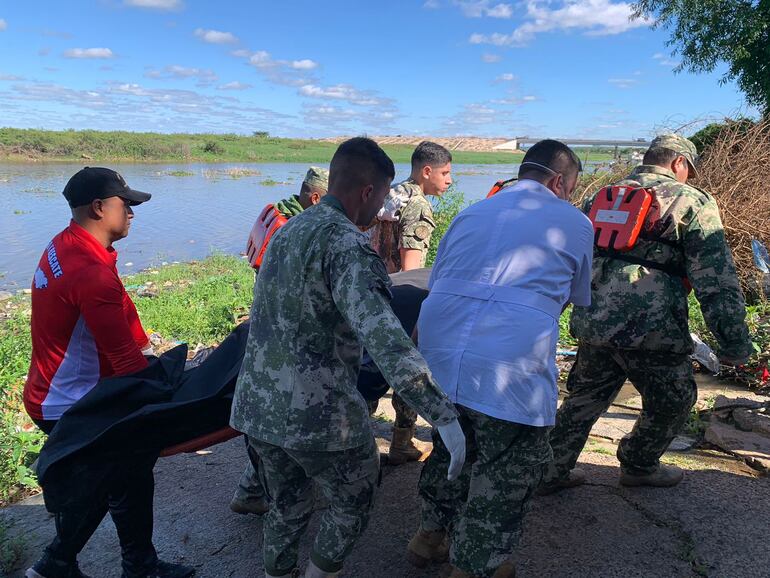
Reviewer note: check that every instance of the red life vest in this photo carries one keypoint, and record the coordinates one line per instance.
(268, 222)
(618, 213)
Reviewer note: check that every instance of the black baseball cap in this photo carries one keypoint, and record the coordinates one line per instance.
(91, 183)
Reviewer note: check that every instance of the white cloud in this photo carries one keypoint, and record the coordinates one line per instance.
(506, 77)
(490, 58)
(481, 8)
(155, 4)
(305, 64)
(215, 36)
(262, 59)
(593, 17)
(623, 82)
(10, 77)
(3, 24)
(88, 53)
(431, 5)
(204, 76)
(664, 60)
(341, 92)
(235, 85)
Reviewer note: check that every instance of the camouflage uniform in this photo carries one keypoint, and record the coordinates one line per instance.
(322, 293)
(637, 325)
(250, 488)
(484, 511)
(412, 230)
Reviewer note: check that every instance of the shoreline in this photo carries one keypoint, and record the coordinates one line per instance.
(22, 146)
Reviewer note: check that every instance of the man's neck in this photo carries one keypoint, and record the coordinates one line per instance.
(96, 232)
(417, 179)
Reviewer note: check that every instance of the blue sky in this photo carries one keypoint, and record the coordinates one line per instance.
(540, 68)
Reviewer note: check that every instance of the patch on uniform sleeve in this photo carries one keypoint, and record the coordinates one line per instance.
(378, 268)
(422, 232)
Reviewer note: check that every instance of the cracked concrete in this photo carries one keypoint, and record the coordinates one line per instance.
(713, 524)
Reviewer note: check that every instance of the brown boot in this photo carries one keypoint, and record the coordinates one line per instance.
(402, 447)
(576, 477)
(664, 477)
(505, 570)
(427, 546)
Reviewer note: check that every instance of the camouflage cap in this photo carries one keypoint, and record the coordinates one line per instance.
(679, 145)
(318, 178)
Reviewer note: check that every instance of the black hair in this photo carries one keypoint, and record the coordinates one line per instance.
(431, 154)
(659, 156)
(552, 154)
(358, 162)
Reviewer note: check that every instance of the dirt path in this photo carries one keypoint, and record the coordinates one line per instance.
(713, 524)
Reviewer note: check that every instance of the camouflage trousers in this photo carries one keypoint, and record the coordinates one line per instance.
(666, 384)
(347, 479)
(250, 485)
(484, 508)
(405, 416)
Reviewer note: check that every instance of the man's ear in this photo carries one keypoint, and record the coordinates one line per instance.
(315, 198)
(427, 170)
(366, 192)
(97, 209)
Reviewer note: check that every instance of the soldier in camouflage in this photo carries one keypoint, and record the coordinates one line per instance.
(249, 496)
(637, 324)
(321, 294)
(401, 236)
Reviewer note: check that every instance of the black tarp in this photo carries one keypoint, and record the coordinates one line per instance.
(164, 405)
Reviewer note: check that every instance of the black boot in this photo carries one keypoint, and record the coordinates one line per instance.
(50, 567)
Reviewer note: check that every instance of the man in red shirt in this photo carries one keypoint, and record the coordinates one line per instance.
(85, 328)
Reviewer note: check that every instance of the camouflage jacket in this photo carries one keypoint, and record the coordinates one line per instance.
(636, 307)
(412, 230)
(321, 294)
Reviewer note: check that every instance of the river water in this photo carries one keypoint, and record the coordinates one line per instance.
(189, 216)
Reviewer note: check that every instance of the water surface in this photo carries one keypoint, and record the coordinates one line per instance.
(188, 217)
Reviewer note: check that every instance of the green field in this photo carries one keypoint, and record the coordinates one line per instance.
(21, 145)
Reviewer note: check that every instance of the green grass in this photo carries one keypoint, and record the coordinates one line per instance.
(197, 302)
(70, 145)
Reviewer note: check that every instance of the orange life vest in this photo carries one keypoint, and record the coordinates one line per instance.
(268, 222)
(618, 213)
(500, 185)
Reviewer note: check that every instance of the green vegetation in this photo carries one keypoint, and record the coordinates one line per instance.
(180, 174)
(706, 33)
(71, 145)
(706, 136)
(197, 302)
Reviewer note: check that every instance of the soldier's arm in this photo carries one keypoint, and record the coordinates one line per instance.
(361, 291)
(415, 228)
(711, 272)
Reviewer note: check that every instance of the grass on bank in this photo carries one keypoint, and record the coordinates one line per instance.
(70, 145)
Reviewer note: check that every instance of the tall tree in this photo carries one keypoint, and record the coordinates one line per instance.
(707, 32)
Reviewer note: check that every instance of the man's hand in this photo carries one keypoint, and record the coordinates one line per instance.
(454, 439)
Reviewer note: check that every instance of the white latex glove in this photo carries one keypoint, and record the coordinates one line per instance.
(454, 439)
(149, 351)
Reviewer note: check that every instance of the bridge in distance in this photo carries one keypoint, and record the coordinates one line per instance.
(516, 143)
